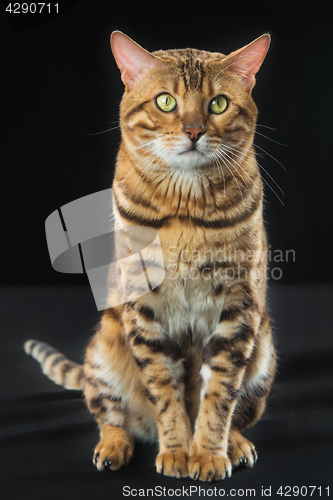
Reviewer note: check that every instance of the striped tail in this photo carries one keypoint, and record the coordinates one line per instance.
(55, 365)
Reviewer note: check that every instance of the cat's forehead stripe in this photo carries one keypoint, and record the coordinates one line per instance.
(192, 73)
(191, 66)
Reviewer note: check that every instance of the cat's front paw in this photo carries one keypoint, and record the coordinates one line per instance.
(172, 464)
(209, 468)
(114, 451)
(112, 455)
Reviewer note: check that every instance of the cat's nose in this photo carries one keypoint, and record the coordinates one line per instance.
(194, 132)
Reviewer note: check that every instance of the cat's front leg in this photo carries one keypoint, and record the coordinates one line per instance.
(225, 358)
(161, 368)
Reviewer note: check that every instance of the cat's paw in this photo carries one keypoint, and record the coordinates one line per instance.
(241, 451)
(172, 464)
(112, 454)
(209, 468)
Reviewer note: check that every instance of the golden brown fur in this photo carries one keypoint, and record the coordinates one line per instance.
(190, 363)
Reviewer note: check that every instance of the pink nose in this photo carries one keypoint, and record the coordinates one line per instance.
(194, 132)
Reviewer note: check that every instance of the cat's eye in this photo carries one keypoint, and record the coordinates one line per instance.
(218, 104)
(166, 102)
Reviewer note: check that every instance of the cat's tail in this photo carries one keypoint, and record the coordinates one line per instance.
(55, 365)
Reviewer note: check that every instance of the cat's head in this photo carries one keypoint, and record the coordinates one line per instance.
(187, 106)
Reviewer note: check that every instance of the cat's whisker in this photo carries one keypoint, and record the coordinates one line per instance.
(238, 165)
(146, 144)
(104, 131)
(144, 158)
(266, 182)
(147, 168)
(143, 171)
(261, 125)
(233, 162)
(269, 138)
(222, 157)
(134, 169)
(214, 164)
(149, 178)
(267, 173)
(272, 189)
(242, 149)
(136, 165)
(112, 128)
(261, 148)
(136, 148)
(214, 156)
(271, 156)
(220, 169)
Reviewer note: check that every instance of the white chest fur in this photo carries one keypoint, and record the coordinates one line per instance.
(189, 304)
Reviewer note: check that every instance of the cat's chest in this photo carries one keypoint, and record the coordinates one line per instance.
(187, 298)
(188, 305)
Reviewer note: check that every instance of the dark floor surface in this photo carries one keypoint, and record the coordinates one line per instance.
(47, 435)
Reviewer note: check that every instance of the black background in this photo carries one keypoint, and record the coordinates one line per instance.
(60, 84)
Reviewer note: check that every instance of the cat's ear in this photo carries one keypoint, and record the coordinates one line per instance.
(246, 62)
(131, 59)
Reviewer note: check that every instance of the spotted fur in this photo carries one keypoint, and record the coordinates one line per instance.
(189, 364)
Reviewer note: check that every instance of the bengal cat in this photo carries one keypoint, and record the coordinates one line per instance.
(190, 363)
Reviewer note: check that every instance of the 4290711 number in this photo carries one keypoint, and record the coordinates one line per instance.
(32, 8)
(303, 491)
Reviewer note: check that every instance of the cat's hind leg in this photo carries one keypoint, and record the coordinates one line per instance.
(241, 451)
(251, 403)
(249, 409)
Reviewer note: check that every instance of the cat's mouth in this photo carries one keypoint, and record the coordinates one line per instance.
(192, 150)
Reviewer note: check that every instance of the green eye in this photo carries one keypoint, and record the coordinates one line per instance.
(166, 102)
(218, 104)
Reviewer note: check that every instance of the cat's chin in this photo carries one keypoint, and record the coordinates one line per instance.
(188, 160)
